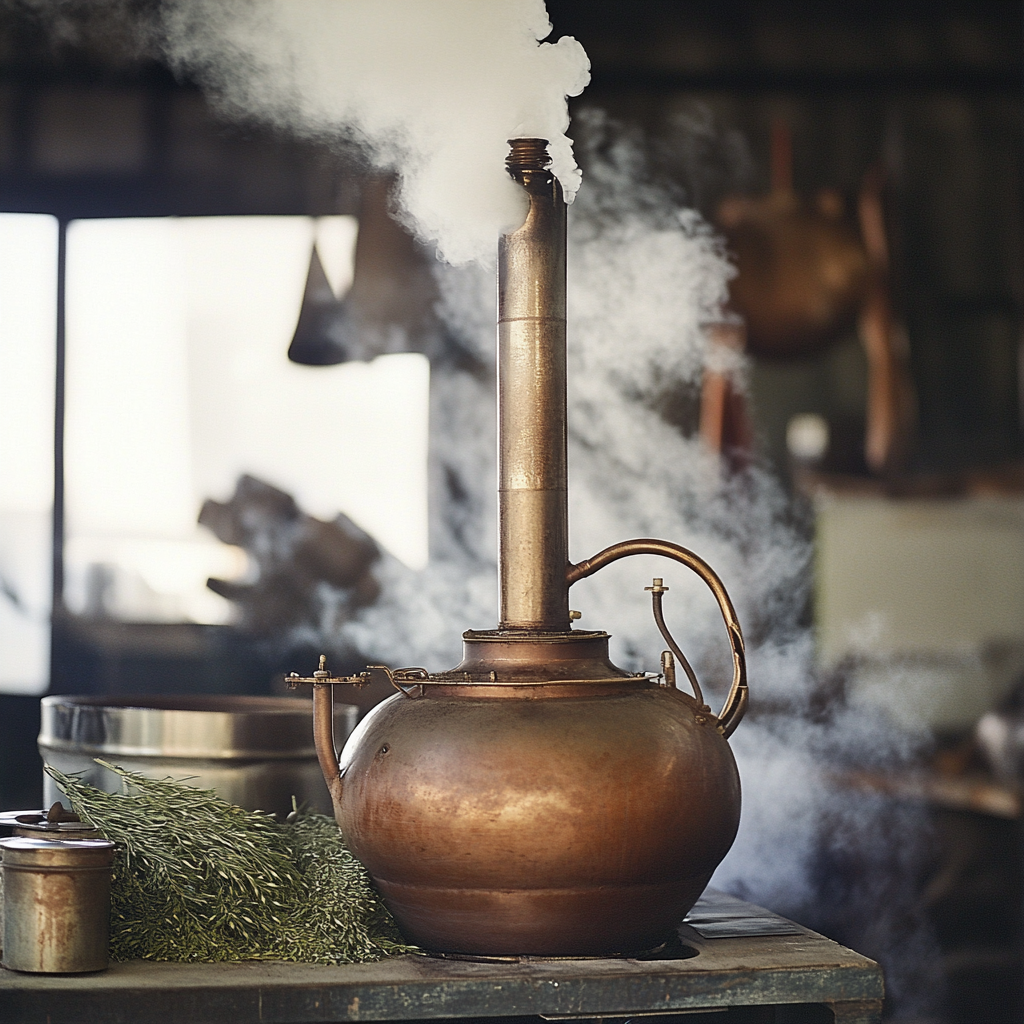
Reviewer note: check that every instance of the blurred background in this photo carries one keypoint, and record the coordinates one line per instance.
(165, 279)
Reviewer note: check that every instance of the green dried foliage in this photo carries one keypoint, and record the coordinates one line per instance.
(201, 880)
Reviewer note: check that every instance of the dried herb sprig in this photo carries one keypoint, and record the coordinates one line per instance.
(340, 909)
(199, 879)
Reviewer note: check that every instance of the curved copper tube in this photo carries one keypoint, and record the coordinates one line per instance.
(659, 620)
(736, 703)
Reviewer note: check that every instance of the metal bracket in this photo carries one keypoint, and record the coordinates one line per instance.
(409, 680)
(321, 677)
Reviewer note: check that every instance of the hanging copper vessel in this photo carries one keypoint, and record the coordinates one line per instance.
(537, 799)
(805, 273)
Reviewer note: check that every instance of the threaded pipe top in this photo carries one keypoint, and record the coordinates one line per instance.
(527, 155)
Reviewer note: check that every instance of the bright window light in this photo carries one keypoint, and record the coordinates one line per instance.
(28, 320)
(178, 382)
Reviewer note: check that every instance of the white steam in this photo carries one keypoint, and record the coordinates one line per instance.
(431, 88)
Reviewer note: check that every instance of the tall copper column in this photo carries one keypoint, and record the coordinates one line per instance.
(532, 492)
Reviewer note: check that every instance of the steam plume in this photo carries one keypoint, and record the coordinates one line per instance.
(432, 88)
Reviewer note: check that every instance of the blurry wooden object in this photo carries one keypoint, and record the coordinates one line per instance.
(1005, 479)
(892, 403)
(390, 301)
(761, 968)
(807, 272)
(725, 423)
(295, 554)
(973, 792)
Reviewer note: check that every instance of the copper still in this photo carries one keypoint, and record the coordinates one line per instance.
(536, 799)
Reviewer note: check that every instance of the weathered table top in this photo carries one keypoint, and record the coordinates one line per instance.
(746, 957)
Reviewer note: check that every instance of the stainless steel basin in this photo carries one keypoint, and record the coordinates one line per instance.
(256, 752)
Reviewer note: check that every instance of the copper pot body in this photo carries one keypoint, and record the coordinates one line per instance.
(578, 818)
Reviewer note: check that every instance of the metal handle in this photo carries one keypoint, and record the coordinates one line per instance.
(736, 703)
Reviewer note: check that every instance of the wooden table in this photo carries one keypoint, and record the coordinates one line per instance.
(750, 965)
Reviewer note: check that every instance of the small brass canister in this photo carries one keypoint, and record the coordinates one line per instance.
(56, 904)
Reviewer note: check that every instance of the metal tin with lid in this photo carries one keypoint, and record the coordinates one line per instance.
(56, 904)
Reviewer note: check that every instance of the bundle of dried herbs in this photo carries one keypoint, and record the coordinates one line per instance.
(199, 879)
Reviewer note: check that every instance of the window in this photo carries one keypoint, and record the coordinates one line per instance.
(28, 319)
(178, 382)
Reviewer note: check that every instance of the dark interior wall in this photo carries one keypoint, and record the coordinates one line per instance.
(931, 90)
(93, 124)
(21, 768)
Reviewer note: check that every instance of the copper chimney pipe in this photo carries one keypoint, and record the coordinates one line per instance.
(532, 474)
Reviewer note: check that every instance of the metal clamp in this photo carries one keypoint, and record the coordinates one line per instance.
(321, 677)
(409, 681)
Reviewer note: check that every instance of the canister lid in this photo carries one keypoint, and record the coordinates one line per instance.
(58, 829)
(36, 824)
(23, 851)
